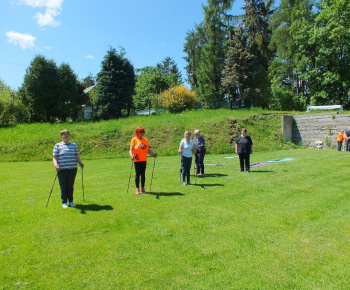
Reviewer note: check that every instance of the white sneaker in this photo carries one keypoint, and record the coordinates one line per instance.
(72, 203)
(64, 205)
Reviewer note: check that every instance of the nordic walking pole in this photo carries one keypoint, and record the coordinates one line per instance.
(130, 176)
(82, 182)
(154, 163)
(195, 172)
(51, 190)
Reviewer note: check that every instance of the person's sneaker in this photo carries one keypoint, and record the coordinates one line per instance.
(137, 191)
(184, 183)
(64, 205)
(72, 203)
(143, 190)
(248, 171)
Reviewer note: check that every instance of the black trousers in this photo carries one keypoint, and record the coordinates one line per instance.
(244, 159)
(140, 171)
(66, 178)
(200, 163)
(186, 168)
(340, 143)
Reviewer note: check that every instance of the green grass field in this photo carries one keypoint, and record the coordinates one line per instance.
(283, 226)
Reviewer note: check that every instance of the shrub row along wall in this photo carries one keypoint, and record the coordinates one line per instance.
(307, 129)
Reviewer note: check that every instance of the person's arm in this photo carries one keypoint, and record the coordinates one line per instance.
(79, 161)
(55, 163)
(151, 153)
(251, 145)
(236, 145)
(131, 152)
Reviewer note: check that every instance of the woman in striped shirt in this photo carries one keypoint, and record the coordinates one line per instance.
(65, 159)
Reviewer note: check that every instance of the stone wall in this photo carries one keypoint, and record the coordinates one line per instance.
(307, 129)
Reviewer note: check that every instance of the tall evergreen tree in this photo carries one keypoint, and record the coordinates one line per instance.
(237, 63)
(41, 89)
(256, 25)
(210, 68)
(168, 68)
(115, 86)
(69, 92)
(193, 48)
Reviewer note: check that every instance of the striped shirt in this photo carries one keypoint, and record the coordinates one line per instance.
(65, 153)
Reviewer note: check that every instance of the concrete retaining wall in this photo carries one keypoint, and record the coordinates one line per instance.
(307, 129)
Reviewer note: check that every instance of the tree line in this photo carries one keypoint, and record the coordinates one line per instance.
(283, 58)
(51, 93)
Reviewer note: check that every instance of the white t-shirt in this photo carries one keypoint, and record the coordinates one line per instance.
(186, 147)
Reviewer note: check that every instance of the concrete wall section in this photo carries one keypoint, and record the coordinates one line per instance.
(307, 129)
(287, 127)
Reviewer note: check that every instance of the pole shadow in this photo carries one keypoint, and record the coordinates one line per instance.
(92, 207)
(210, 175)
(166, 194)
(203, 185)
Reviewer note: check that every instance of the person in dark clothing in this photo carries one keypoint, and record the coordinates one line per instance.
(244, 147)
(199, 142)
(347, 142)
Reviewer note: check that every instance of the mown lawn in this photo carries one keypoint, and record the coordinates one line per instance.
(283, 226)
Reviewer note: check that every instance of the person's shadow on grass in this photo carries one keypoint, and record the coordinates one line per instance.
(92, 207)
(166, 194)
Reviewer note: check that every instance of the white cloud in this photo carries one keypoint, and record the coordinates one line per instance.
(90, 56)
(23, 40)
(47, 19)
(53, 8)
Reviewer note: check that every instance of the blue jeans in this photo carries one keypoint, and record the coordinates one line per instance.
(186, 163)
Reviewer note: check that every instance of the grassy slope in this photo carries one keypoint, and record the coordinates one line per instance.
(284, 226)
(110, 139)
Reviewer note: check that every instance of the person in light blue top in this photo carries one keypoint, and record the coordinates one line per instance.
(65, 159)
(186, 149)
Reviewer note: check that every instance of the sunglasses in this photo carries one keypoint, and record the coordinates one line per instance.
(142, 131)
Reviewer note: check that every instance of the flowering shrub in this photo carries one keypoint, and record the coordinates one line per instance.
(178, 99)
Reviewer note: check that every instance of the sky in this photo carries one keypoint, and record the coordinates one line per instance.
(80, 32)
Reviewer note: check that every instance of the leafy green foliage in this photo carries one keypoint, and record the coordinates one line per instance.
(12, 110)
(149, 83)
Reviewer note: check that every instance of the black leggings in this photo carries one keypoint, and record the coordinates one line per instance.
(66, 178)
(200, 163)
(140, 170)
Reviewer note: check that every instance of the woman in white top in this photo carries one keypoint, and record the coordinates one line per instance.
(186, 149)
